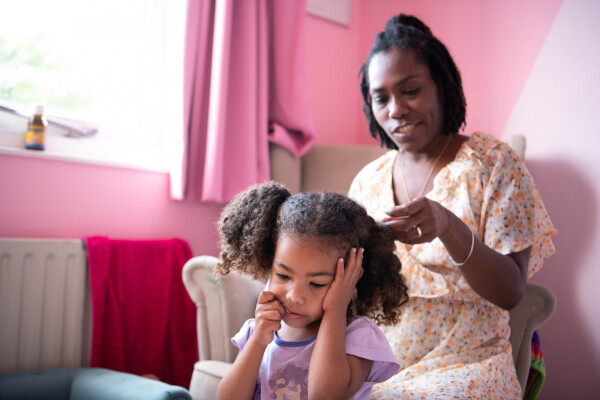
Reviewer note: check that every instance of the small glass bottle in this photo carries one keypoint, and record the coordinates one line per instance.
(35, 138)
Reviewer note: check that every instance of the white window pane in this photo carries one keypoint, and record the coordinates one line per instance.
(116, 63)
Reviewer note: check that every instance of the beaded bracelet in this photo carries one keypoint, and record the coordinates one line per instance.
(470, 252)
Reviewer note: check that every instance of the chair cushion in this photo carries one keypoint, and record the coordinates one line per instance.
(206, 377)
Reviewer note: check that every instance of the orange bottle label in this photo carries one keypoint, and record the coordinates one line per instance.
(35, 138)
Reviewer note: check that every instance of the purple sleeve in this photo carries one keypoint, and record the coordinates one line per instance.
(364, 339)
(241, 338)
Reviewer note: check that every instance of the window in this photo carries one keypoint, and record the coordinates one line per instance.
(114, 64)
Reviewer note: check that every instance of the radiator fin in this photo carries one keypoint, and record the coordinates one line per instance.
(44, 304)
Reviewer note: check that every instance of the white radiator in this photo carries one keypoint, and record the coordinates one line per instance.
(45, 310)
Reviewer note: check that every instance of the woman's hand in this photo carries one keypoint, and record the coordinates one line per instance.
(498, 278)
(342, 288)
(268, 315)
(418, 221)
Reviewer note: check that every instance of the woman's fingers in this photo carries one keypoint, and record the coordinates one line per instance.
(419, 221)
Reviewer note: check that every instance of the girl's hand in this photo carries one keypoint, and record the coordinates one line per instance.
(418, 221)
(268, 315)
(342, 288)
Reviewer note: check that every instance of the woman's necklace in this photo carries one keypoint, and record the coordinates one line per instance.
(430, 170)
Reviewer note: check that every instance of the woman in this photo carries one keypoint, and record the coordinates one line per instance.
(469, 222)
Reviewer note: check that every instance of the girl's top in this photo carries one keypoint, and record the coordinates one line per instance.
(284, 368)
(451, 342)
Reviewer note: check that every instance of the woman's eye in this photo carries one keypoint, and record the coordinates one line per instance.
(318, 285)
(412, 91)
(379, 100)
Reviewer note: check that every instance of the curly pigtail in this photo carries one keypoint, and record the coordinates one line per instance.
(248, 230)
(382, 289)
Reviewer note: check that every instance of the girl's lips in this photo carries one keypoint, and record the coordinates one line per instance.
(292, 315)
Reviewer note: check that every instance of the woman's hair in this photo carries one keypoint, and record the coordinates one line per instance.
(410, 33)
(253, 221)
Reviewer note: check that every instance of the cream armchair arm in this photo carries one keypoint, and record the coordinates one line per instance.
(223, 304)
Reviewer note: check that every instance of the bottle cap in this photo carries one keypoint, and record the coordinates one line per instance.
(38, 109)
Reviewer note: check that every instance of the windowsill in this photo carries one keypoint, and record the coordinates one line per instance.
(90, 150)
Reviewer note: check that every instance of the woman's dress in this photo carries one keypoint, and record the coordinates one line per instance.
(450, 342)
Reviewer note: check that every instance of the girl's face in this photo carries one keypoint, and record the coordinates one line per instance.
(302, 271)
(405, 100)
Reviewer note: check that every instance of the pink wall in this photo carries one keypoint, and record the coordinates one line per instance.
(333, 54)
(43, 198)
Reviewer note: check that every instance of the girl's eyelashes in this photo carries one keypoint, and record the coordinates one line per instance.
(281, 276)
(284, 277)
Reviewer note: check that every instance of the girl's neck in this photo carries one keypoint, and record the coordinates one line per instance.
(291, 334)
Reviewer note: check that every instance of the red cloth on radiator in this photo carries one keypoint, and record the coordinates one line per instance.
(144, 322)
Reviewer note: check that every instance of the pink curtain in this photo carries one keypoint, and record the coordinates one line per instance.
(245, 84)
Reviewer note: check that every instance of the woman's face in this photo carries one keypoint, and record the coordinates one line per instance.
(301, 274)
(405, 100)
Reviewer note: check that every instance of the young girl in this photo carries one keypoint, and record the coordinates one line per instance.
(331, 271)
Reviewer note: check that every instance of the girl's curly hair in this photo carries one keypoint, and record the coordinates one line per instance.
(252, 222)
(408, 32)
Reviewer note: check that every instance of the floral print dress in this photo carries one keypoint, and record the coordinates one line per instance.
(451, 343)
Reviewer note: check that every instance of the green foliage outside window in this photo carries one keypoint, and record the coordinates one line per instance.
(29, 74)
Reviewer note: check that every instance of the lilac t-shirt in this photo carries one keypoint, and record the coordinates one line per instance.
(284, 368)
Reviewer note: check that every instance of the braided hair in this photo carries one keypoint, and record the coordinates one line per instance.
(408, 32)
(252, 222)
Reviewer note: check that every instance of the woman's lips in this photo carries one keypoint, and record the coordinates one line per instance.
(405, 130)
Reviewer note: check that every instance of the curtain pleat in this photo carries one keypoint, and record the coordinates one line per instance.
(245, 84)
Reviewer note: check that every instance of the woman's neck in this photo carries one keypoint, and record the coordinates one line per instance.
(414, 173)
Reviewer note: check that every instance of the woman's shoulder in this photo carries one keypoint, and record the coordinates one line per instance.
(485, 144)
(381, 163)
(488, 148)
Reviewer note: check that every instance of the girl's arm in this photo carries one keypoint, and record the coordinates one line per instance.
(240, 381)
(333, 374)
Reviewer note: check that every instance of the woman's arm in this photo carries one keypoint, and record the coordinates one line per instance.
(332, 373)
(240, 381)
(499, 278)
